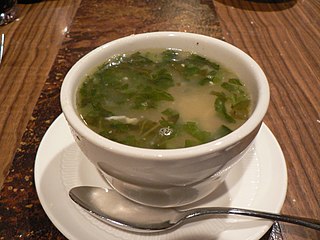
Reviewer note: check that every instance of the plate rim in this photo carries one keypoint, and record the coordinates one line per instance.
(67, 233)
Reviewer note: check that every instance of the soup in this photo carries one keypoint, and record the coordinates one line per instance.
(162, 99)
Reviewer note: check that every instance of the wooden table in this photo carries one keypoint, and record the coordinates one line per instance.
(50, 36)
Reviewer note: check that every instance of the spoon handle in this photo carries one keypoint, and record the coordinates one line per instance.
(306, 222)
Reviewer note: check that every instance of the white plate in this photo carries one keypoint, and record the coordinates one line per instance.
(257, 182)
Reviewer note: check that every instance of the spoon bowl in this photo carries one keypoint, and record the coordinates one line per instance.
(112, 208)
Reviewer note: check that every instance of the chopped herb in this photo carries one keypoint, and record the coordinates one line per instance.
(131, 99)
(241, 109)
(170, 55)
(221, 132)
(235, 81)
(172, 116)
(138, 59)
(162, 79)
(148, 97)
(190, 70)
(220, 107)
(193, 129)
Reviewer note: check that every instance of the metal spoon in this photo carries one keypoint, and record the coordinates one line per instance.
(112, 208)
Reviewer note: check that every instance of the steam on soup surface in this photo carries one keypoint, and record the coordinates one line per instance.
(162, 99)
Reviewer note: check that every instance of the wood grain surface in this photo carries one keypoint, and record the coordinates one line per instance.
(49, 36)
(284, 38)
(31, 45)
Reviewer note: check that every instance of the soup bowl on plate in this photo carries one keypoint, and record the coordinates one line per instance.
(167, 177)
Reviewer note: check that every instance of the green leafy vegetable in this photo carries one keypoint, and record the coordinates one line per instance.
(139, 60)
(220, 107)
(170, 55)
(235, 81)
(131, 99)
(148, 97)
(240, 110)
(162, 79)
(221, 132)
(235, 97)
(193, 129)
(172, 116)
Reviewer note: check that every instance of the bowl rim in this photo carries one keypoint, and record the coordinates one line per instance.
(255, 119)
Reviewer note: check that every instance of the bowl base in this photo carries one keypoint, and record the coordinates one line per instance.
(171, 196)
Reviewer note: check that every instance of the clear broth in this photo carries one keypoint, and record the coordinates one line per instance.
(162, 99)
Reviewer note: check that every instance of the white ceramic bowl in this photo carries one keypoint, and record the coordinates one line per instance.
(176, 177)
